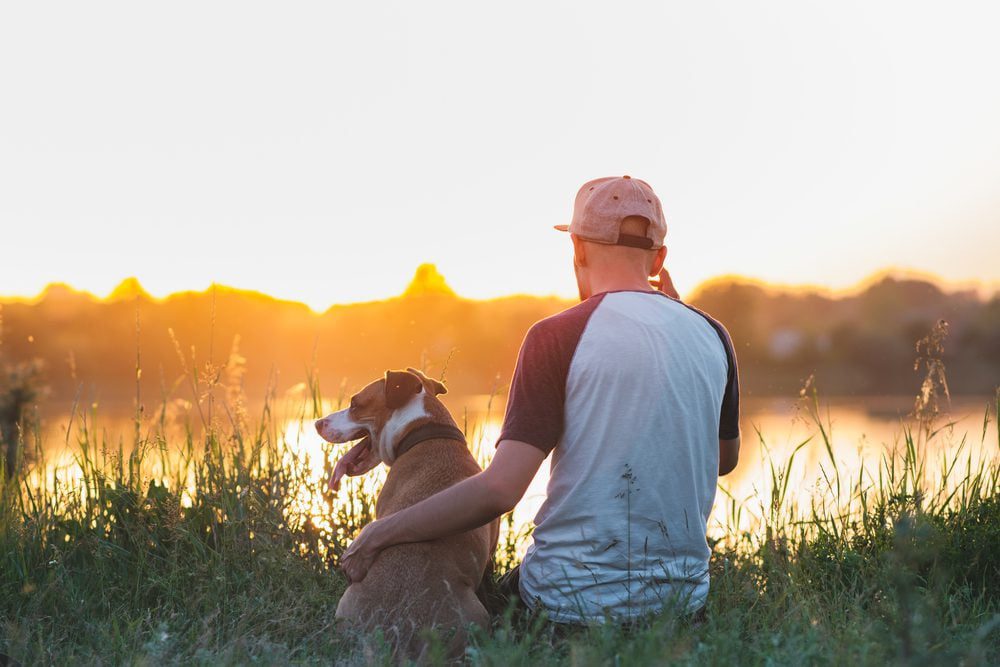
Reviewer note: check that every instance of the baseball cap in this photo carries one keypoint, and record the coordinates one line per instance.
(602, 204)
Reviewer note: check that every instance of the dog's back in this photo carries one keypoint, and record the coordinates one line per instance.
(414, 587)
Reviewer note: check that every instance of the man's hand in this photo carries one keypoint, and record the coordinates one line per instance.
(471, 503)
(663, 283)
(358, 558)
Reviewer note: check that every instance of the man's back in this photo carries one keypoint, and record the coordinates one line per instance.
(632, 391)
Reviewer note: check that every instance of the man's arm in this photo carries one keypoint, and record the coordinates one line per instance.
(471, 503)
(729, 454)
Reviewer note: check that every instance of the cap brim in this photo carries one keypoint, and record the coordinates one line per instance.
(561, 228)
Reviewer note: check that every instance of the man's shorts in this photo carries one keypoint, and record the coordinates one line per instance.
(506, 594)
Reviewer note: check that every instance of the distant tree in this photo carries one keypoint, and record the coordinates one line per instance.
(20, 387)
(428, 280)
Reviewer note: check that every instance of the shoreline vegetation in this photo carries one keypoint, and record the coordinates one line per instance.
(857, 343)
(206, 549)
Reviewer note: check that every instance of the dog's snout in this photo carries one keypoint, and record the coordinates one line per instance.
(319, 425)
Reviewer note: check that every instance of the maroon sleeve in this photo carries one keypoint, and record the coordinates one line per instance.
(729, 416)
(536, 403)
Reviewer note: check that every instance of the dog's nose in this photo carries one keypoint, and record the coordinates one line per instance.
(319, 425)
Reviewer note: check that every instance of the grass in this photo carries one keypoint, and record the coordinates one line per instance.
(198, 550)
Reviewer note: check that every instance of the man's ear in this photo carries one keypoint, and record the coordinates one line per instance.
(400, 387)
(435, 385)
(579, 251)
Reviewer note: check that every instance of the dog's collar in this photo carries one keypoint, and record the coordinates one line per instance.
(430, 431)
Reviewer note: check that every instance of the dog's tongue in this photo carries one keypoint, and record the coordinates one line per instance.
(358, 460)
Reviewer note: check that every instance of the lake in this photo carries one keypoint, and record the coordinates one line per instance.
(860, 430)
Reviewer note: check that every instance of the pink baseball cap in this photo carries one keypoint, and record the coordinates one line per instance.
(602, 204)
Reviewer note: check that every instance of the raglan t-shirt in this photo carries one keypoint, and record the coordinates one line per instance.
(631, 392)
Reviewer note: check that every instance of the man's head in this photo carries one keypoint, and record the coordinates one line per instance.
(618, 230)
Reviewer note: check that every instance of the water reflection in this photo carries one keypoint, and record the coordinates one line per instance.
(861, 433)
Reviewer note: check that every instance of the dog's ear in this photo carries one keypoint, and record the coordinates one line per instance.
(436, 386)
(400, 387)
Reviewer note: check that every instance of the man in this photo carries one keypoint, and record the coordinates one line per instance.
(636, 396)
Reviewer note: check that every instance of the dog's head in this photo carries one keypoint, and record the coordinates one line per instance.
(380, 415)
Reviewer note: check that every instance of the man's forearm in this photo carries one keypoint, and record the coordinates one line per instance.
(464, 506)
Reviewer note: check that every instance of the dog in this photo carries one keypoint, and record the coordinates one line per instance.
(411, 588)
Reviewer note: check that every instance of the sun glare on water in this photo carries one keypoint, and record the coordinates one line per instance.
(809, 455)
(304, 444)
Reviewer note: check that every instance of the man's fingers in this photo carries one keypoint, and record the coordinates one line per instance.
(660, 279)
(354, 563)
(666, 284)
(345, 564)
(353, 571)
(354, 575)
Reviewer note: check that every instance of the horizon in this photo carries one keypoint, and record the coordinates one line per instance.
(128, 286)
(785, 334)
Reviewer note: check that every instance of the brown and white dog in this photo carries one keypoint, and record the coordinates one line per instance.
(411, 587)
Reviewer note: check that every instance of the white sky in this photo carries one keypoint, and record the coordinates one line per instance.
(320, 151)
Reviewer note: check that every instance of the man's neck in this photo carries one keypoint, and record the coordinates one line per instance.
(619, 283)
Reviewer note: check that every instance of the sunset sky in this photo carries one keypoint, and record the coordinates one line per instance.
(321, 151)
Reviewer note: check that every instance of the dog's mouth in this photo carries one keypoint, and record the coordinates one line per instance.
(362, 439)
(357, 434)
(358, 460)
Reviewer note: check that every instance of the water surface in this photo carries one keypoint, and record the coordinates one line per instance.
(861, 432)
